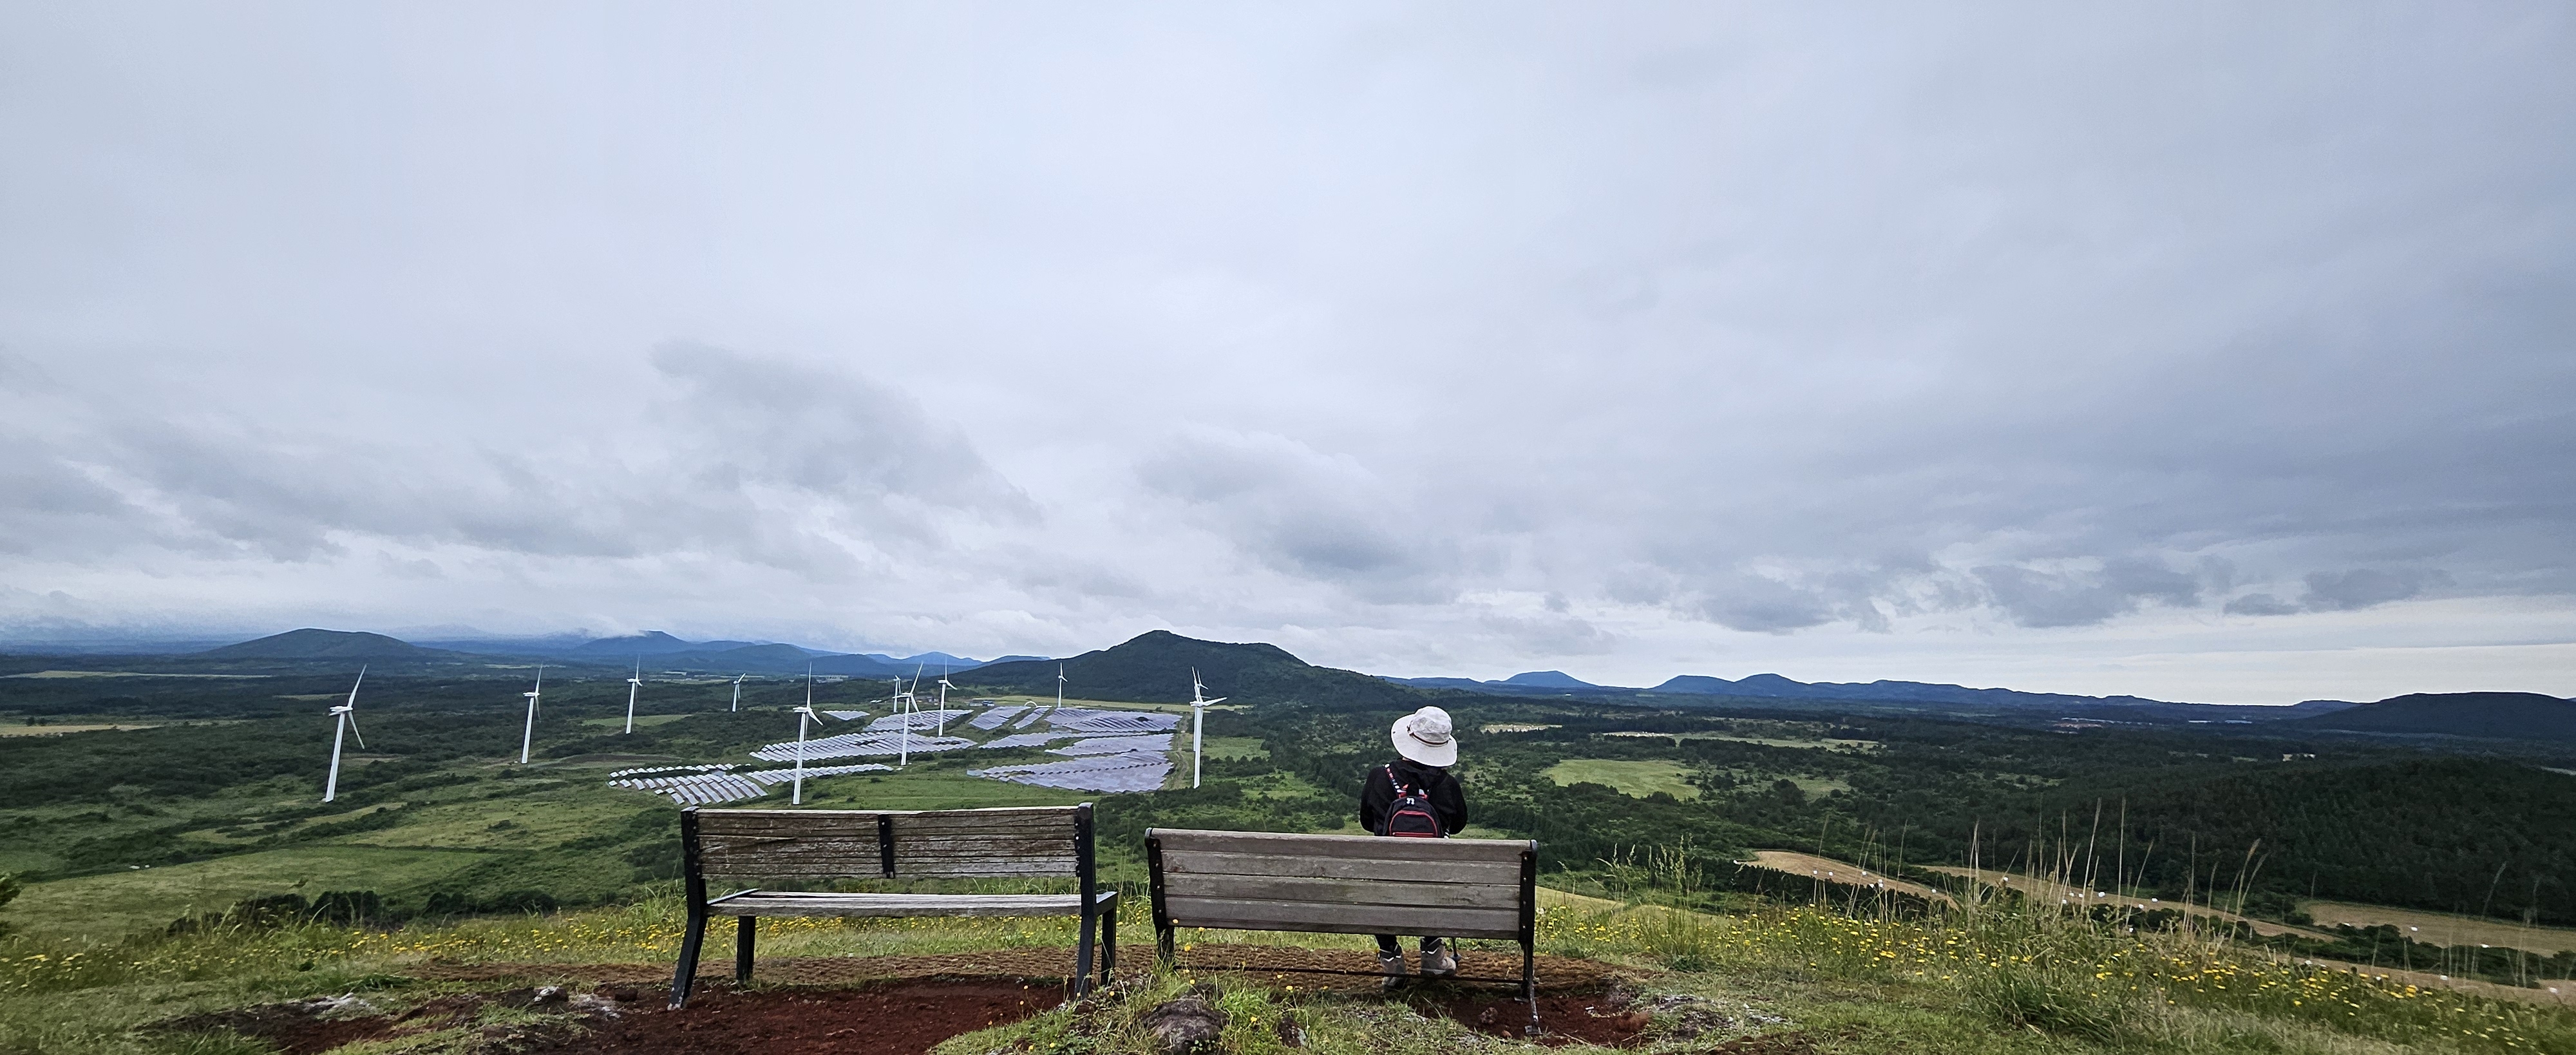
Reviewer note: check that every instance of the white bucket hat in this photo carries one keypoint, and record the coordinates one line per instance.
(1424, 736)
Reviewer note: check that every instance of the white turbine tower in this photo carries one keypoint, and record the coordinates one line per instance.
(944, 686)
(1059, 686)
(346, 716)
(737, 691)
(803, 715)
(1198, 718)
(911, 707)
(633, 684)
(529, 734)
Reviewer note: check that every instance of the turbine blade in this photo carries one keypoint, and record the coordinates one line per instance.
(352, 716)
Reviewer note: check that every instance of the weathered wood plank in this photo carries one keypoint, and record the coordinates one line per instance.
(1235, 914)
(1409, 870)
(958, 845)
(1363, 847)
(1342, 891)
(792, 903)
(1019, 866)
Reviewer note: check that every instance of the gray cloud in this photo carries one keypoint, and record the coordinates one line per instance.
(2343, 591)
(1679, 338)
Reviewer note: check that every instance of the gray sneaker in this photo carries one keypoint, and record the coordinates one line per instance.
(1439, 963)
(1392, 963)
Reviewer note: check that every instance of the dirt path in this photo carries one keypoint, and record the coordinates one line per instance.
(2045, 890)
(1790, 862)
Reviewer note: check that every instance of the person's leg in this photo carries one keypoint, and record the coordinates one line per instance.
(1390, 961)
(1437, 960)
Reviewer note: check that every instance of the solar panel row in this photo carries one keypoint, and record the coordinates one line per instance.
(994, 718)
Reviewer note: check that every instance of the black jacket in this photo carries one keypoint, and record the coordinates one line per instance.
(1448, 800)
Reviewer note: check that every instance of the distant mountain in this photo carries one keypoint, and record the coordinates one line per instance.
(933, 661)
(1544, 682)
(1155, 668)
(1777, 687)
(2495, 715)
(309, 643)
(648, 643)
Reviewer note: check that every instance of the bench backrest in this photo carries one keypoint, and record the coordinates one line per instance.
(1343, 884)
(888, 844)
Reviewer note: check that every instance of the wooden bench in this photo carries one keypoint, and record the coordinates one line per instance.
(826, 845)
(1348, 884)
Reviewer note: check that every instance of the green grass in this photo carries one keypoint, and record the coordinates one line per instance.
(618, 721)
(147, 899)
(1234, 747)
(941, 784)
(532, 822)
(1634, 779)
(1987, 981)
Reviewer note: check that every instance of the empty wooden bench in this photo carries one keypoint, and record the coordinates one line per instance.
(808, 846)
(1348, 884)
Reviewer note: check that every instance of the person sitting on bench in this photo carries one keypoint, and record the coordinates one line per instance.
(1414, 796)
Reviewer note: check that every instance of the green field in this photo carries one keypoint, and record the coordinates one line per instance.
(1236, 747)
(145, 899)
(1634, 779)
(641, 720)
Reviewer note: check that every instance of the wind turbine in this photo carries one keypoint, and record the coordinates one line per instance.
(911, 706)
(1059, 685)
(1198, 718)
(632, 685)
(803, 715)
(347, 722)
(529, 734)
(737, 691)
(944, 686)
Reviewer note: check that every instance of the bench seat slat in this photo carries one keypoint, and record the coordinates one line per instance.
(1415, 871)
(1343, 891)
(799, 903)
(1366, 847)
(1317, 917)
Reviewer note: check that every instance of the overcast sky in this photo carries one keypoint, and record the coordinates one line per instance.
(2215, 352)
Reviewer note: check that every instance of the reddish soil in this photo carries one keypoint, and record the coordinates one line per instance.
(301, 1028)
(1555, 973)
(904, 1019)
(1598, 1018)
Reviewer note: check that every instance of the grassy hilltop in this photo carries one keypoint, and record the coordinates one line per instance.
(187, 865)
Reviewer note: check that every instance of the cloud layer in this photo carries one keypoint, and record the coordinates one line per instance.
(2000, 345)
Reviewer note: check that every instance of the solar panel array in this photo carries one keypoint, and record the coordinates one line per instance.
(920, 720)
(1026, 739)
(1116, 745)
(669, 769)
(847, 716)
(696, 789)
(1112, 723)
(849, 744)
(1035, 713)
(782, 776)
(1133, 771)
(994, 718)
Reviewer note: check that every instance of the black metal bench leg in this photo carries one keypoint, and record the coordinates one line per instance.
(1529, 983)
(1082, 950)
(692, 934)
(745, 928)
(1163, 947)
(1108, 939)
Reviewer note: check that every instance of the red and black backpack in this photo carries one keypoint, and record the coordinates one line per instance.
(1410, 815)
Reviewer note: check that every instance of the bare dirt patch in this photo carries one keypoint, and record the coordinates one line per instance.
(904, 1018)
(1289, 963)
(900, 1019)
(1605, 1019)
